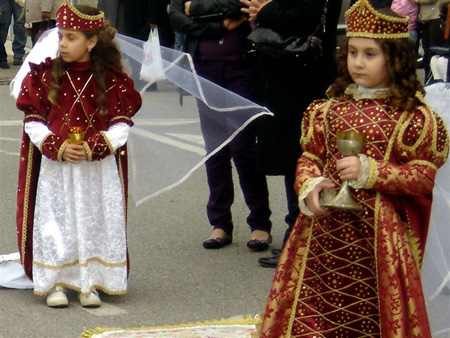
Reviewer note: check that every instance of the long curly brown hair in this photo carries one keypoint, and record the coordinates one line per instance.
(401, 65)
(104, 57)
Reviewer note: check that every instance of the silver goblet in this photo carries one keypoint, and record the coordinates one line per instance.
(349, 143)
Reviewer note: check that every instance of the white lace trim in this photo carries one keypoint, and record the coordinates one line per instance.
(363, 175)
(301, 198)
(360, 93)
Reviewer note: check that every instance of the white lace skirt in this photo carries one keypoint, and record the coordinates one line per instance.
(79, 235)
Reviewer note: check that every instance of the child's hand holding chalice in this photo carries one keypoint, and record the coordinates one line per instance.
(74, 151)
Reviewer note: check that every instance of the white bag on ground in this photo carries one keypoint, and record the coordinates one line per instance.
(152, 69)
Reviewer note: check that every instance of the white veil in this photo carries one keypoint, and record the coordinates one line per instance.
(436, 263)
(166, 143)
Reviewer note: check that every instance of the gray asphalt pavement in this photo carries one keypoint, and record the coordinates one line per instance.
(173, 279)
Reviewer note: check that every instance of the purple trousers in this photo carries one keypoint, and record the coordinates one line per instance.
(236, 76)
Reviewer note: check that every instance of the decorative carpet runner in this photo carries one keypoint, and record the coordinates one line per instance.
(225, 328)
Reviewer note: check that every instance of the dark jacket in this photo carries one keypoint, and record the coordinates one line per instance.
(288, 85)
(205, 20)
(139, 14)
(377, 4)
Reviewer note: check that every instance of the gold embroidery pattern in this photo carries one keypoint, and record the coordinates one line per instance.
(115, 118)
(108, 142)
(88, 151)
(424, 163)
(26, 200)
(34, 116)
(44, 139)
(313, 158)
(122, 182)
(373, 174)
(61, 150)
(81, 265)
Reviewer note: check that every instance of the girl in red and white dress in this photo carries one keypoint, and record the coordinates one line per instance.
(72, 195)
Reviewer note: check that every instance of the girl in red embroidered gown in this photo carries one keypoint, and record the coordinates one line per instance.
(72, 197)
(357, 274)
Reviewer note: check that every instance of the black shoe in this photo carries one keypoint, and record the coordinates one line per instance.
(217, 242)
(276, 252)
(18, 61)
(4, 65)
(269, 262)
(259, 244)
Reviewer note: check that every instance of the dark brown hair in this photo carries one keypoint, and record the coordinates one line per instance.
(104, 57)
(401, 66)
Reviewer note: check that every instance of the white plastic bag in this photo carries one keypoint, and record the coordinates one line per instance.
(152, 69)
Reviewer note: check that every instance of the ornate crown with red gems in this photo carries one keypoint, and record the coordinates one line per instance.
(67, 16)
(365, 22)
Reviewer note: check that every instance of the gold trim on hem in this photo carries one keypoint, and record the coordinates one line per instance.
(77, 289)
(232, 321)
(81, 265)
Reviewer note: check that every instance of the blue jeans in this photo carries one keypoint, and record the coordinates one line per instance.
(9, 8)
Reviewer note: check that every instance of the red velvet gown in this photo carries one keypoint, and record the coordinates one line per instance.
(357, 274)
(71, 218)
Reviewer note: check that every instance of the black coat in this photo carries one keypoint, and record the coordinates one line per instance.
(139, 14)
(204, 21)
(377, 4)
(288, 85)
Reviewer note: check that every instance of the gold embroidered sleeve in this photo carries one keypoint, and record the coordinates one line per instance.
(311, 163)
(420, 148)
(99, 147)
(53, 147)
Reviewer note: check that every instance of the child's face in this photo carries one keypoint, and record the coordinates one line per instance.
(74, 46)
(367, 63)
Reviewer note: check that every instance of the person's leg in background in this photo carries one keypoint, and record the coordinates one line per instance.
(5, 22)
(239, 76)
(432, 37)
(218, 166)
(20, 34)
(290, 219)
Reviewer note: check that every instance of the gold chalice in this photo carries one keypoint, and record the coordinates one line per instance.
(76, 135)
(349, 143)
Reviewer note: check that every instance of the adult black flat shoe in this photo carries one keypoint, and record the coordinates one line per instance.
(4, 65)
(269, 262)
(217, 242)
(276, 252)
(259, 244)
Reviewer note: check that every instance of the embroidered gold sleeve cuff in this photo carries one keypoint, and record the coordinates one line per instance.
(372, 174)
(34, 117)
(53, 147)
(99, 147)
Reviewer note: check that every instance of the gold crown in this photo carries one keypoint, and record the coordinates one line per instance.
(67, 16)
(365, 22)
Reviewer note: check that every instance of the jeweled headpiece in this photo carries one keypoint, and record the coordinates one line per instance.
(364, 21)
(67, 16)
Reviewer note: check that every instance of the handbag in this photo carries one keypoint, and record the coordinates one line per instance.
(272, 43)
(152, 69)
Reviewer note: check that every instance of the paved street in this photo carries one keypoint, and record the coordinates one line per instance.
(173, 279)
